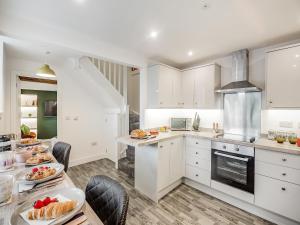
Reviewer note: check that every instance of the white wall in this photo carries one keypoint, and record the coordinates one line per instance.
(270, 118)
(82, 118)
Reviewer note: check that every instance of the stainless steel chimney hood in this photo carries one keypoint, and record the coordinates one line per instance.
(240, 75)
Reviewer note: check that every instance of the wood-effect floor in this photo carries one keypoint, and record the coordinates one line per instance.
(183, 206)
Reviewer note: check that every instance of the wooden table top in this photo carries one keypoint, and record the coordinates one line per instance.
(7, 210)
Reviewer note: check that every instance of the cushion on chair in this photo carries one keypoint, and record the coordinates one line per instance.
(108, 199)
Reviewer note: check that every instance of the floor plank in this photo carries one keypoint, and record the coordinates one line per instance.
(183, 206)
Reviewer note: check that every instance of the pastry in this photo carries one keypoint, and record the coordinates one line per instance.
(39, 158)
(40, 173)
(52, 211)
(138, 133)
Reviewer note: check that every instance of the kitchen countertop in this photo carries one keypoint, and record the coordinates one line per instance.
(262, 143)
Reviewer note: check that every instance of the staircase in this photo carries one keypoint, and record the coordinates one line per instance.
(134, 120)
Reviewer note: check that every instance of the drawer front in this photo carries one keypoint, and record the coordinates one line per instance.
(198, 175)
(200, 153)
(198, 143)
(278, 158)
(278, 172)
(200, 163)
(278, 196)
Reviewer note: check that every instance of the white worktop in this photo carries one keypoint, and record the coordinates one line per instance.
(262, 143)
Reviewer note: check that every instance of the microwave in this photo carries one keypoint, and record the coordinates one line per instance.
(181, 124)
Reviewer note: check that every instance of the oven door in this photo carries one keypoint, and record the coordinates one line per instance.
(233, 169)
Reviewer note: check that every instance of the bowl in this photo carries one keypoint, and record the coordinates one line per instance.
(22, 155)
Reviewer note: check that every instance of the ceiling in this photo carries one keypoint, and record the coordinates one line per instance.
(181, 25)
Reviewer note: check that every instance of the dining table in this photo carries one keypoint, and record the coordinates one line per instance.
(19, 198)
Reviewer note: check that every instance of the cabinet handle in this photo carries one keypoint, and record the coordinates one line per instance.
(161, 146)
(161, 103)
(237, 149)
(197, 163)
(197, 153)
(284, 174)
(224, 146)
(270, 102)
(172, 143)
(283, 188)
(197, 175)
(197, 143)
(284, 160)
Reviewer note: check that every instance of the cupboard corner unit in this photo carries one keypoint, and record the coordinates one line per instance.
(190, 88)
(199, 85)
(283, 77)
(164, 87)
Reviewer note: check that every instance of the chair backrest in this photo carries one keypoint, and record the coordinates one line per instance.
(108, 199)
(61, 151)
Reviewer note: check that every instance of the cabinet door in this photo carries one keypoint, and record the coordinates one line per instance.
(283, 78)
(176, 159)
(163, 165)
(188, 86)
(205, 83)
(177, 89)
(165, 90)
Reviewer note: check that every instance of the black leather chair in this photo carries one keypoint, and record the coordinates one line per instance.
(108, 199)
(61, 151)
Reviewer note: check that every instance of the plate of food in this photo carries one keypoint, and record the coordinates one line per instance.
(40, 158)
(53, 207)
(28, 142)
(42, 173)
(141, 134)
(39, 149)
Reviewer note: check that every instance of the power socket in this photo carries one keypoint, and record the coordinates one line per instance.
(286, 124)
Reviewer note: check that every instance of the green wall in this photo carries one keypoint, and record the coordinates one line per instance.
(47, 126)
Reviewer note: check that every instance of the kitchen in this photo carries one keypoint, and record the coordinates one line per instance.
(233, 158)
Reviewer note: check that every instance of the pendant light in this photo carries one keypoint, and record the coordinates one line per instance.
(45, 70)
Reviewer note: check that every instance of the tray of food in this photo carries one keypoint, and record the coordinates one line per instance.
(141, 134)
(53, 207)
(40, 158)
(40, 174)
(28, 142)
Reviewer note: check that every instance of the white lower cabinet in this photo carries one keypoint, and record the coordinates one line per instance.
(278, 196)
(198, 160)
(170, 163)
(277, 183)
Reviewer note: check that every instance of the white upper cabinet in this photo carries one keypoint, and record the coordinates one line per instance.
(1, 77)
(199, 85)
(164, 87)
(283, 78)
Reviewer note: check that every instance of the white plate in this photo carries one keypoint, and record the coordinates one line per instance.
(58, 167)
(68, 193)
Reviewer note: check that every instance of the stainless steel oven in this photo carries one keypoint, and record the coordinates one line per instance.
(233, 165)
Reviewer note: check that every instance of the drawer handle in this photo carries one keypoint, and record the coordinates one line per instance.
(172, 143)
(237, 149)
(197, 153)
(197, 143)
(284, 160)
(224, 146)
(197, 163)
(284, 174)
(161, 146)
(197, 175)
(283, 188)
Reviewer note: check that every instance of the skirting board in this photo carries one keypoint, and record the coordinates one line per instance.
(241, 204)
(83, 160)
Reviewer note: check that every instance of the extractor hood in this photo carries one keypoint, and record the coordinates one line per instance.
(240, 75)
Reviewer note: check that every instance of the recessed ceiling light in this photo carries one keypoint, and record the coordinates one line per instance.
(153, 34)
(297, 56)
(190, 53)
(80, 1)
(294, 65)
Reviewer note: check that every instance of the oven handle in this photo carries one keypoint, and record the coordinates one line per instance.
(231, 156)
